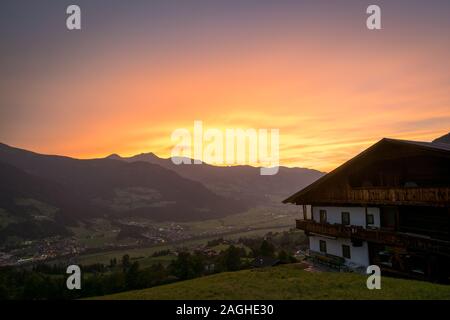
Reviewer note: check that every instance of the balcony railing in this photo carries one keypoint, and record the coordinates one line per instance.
(389, 238)
(380, 195)
(333, 230)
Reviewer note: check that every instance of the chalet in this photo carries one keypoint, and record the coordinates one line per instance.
(389, 206)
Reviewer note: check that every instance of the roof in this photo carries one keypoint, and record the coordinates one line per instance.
(431, 146)
(444, 139)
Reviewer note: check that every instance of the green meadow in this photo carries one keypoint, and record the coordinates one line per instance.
(288, 282)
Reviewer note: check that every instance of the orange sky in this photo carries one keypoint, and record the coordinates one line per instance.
(331, 88)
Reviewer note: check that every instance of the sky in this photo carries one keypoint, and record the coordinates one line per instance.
(138, 70)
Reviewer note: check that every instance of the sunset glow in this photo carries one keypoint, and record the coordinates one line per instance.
(132, 76)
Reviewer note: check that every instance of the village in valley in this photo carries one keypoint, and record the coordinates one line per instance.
(102, 236)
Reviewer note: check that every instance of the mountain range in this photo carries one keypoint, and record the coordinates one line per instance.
(41, 195)
(243, 183)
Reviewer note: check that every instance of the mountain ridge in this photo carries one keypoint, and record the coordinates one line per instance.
(43, 194)
(224, 179)
(84, 189)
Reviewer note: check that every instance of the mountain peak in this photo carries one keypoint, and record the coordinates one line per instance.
(114, 156)
(147, 154)
(144, 156)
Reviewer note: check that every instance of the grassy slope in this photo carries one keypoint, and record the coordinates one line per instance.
(288, 282)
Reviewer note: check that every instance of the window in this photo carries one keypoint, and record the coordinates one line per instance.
(323, 246)
(388, 217)
(345, 218)
(323, 216)
(370, 219)
(346, 251)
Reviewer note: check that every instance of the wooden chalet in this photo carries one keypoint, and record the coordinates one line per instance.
(388, 206)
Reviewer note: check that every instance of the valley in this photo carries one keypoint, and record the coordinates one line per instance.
(55, 207)
(100, 240)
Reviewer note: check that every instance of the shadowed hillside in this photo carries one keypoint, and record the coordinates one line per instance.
(238, 182)
(79, 189)
(43, 194)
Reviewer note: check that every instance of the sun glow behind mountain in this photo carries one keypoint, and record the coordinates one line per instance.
(134, 74)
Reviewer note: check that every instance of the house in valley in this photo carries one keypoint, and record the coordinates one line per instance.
(389, 206)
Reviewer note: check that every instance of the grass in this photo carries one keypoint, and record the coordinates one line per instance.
(260, 218)
(287, 282)
(105, 257)
(149, 261)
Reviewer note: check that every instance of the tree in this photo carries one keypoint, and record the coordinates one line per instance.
(285, 240)
(126, 262)
(231, 259)
(267, 249)
(186, 266)
(113, 263)
(132, 276)
(283, 257)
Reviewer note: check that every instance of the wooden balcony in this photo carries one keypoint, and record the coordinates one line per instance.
(332, 230)
(390, 238)
(382, 196)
